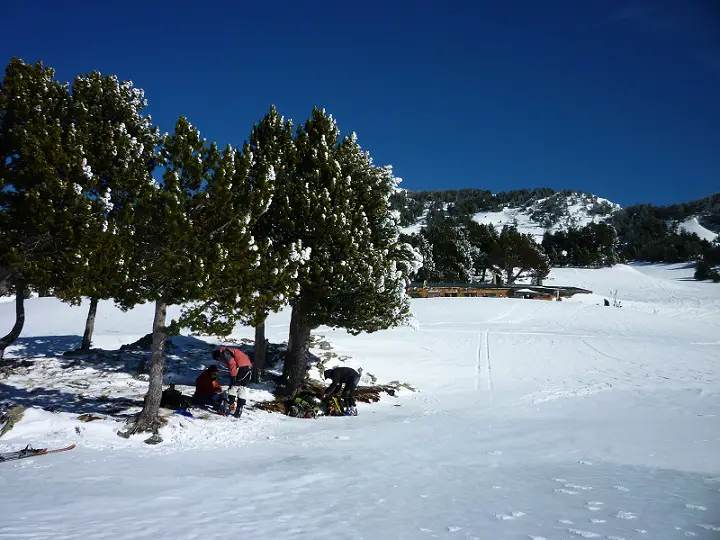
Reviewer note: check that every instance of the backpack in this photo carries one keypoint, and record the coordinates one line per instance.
(304, 408)
(174, 399)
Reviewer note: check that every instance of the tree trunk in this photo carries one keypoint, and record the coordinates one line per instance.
(19, 317)
(89, 325)
(297, 354)
(148, 419)
(260, 351)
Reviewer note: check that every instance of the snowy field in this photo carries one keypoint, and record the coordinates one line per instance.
(532, 419)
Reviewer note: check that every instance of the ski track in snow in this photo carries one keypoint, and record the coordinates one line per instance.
(484, 368)
(582, 422)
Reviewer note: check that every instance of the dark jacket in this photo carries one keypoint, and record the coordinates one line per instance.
(339, 376)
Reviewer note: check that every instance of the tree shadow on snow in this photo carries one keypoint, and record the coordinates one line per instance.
(58, 401)
(185, 358)
(35, 347)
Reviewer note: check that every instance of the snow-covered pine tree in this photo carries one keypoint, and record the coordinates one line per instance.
(355, 276)
(275, 278)
(420, 244)
(248, 293)
(172, 234)
(120, 146)
(452, 252)
(43, 177)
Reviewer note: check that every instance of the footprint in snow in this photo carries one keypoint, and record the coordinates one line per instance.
(584, 462)
(594, 520)
(615, 538)
(621, 488)
(593, 508)
(566, 491)
(584, 534)
(595, 503)
(641, 531)
(452, 528)
(565, 521)
(625, 515)
(575, 486)
(511, 516)
(690, 533)
(695, 507)
(494, 452)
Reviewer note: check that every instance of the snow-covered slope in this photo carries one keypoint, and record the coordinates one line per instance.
(533, 420)
(692, 225)
(560, 211)
(556, 213)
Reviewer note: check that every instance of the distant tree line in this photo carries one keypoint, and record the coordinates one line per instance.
(96, 203)
(650, 233)
(548, 205)
(461, 251)
(460, 203)
(641, 232)
(592, 246)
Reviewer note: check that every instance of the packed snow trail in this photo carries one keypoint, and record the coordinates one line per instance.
(603, 423)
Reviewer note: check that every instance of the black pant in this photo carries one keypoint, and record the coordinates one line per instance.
(242, 378)
(348, 392)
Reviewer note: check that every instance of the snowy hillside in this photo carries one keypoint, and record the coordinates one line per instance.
(531, 419)
(692, 225)
(555, 213)
(559, 211)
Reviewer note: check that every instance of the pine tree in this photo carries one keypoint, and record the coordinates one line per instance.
(43, 177)
(482, 238)
(518, 254)
(120, 148)
(173, 237)
(452, 252)
(422, 248)
(356, 275)
(248, 293)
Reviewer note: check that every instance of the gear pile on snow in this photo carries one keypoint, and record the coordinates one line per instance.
(309, 406)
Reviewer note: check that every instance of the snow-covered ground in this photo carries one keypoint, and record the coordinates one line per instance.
(532, 419)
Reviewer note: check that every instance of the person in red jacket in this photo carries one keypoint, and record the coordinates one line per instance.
(207, 388)
(240, 368)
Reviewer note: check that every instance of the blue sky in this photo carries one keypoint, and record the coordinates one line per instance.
(619, 98)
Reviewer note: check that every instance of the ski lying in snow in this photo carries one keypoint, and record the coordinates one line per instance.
(31, 452)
